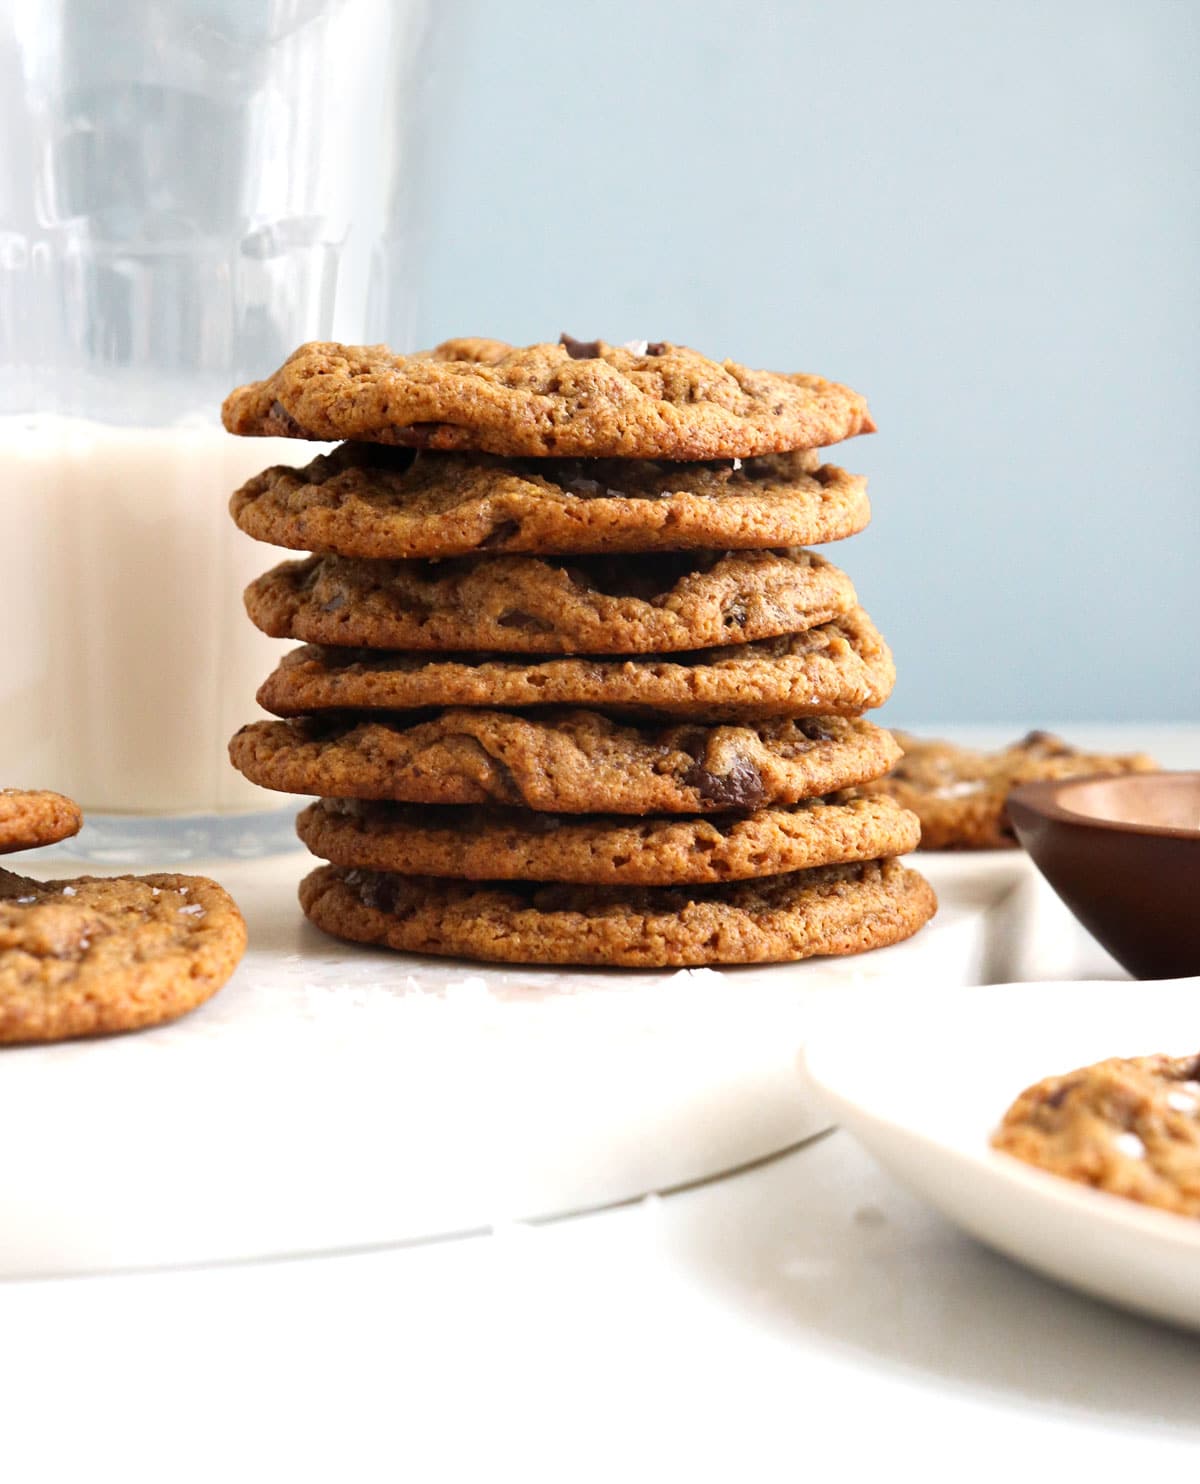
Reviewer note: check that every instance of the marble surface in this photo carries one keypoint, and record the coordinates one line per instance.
(331, 1096)
(802, 1318)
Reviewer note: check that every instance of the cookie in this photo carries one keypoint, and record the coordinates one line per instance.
(838, 669)
(829, 910)
(1130, 1127)
(114, 953)
(520, 845)
(365, 500)
(577, 399)
(568, 762)
(960, 794)
(32, 817)
(538, 605)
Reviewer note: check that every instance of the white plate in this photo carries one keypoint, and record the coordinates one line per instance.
(930, 1078)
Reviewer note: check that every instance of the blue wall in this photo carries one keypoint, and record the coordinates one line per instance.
(985, 216)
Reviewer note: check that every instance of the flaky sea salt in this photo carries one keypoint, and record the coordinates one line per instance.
(960, 790)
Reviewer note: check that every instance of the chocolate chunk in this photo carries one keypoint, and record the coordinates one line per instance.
(282, 421)
(374, 889)
(505, 531)
(656, 347)
(579, 350)
(421, 435)
(1059, 1096)
(516, 618)
(740, 788)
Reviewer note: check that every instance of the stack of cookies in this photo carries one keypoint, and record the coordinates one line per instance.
(571, 690)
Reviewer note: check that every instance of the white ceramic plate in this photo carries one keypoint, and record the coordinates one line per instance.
(932, 1076)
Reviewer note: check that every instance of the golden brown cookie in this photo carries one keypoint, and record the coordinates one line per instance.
(615, 850)
(114, 953)
(30, 818)
(577, 399)
(545, 605)
(366, 500)
(1130, 1127)
(960, 794)
(829, 910)
(568, 762)
(839, 669)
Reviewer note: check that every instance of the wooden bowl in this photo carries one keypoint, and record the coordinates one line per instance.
(1124, 854)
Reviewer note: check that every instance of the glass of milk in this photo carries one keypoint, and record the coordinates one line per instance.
(188, 190)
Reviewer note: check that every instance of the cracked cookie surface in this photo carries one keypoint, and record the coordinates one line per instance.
(479, 844)
(370, 501)
(1129, 1126)
(960, 794)
(33, 817)
(839, 669)
(538, 605)
(829, 910)
(570, 762)
(579, 399)
(113, 953)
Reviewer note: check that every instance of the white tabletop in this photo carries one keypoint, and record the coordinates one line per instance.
(805, 1318)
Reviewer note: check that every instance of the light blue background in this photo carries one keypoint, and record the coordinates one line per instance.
(986, 216)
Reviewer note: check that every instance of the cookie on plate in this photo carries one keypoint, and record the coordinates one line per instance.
(33, 817)
(829, 910)
(644, 400)
(546, 605)
(114, 953)
(368, 500)
(839, 669)
(566, 762)
(960, 794)
(477, 844)
(1127, 1126)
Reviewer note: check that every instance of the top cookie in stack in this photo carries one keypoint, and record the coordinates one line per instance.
(558, 598)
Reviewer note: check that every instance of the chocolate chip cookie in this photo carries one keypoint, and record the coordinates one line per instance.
(545, 605)
(568, 762)
(520, 845)
(33, 817)
(575, 399)
(960, 794)
(838, 669)
(367, 500)
(829, 910)
(1127, 1126)
(100, 954)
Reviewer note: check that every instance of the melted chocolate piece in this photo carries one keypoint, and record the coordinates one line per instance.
(374, 889)
(740, 788)
(505, 531)
(579, 350)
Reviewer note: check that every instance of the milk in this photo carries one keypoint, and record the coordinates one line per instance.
(129, 659)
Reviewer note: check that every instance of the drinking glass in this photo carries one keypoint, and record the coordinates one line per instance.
(188, 190)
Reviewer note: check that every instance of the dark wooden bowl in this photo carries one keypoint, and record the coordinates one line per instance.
(1124, 854)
